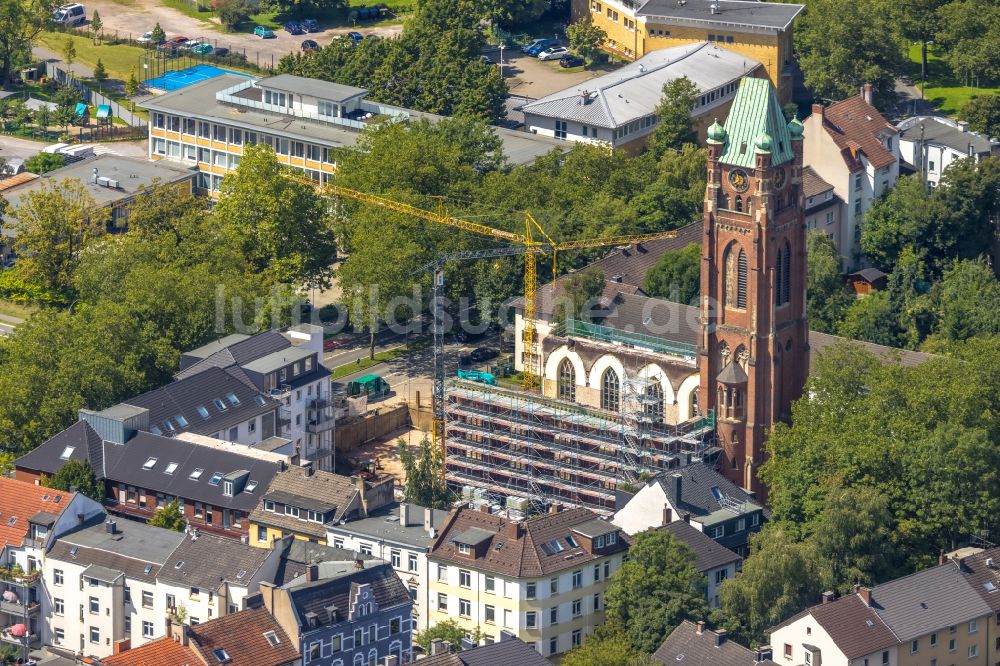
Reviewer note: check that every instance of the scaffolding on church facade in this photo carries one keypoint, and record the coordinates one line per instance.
(510, 443)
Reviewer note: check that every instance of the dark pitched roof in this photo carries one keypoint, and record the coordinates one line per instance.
(205, 390)
(137, 550)
(927, 600)
(297, 553)
(854, 125)
(524, 555)
(982, 571)
(315, 597)
(242, 636)
(48, 456)
(855, 627)
(703, 490)
(125, 463)
(868, 274)
(685, 646)
(812, 183)
(505, 653)
(708, 553)
(237, 352)
(209, 561)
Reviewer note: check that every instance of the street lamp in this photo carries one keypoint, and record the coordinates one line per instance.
(502, 46)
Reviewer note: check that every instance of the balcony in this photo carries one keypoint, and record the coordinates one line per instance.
(17, 576)
(19, 609)
(284, 418)
(318, 423)
(280, 392)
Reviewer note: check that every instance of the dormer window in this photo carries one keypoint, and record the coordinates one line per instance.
(276, 98)
(463, 548)
(227, 488)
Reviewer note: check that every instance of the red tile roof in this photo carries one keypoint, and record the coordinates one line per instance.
(19, 501)
(241, 635)
(161, 652)
(854, 125)
(812, 183)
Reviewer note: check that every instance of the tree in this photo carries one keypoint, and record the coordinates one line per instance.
(96, 25)
(44, 162)
(969, 39)
(582, 291)
(100, 74)
(779, 578)
(900, 218)
(76, 474)
(607, 645)
(132, 86)
(22, 21)
(827, 295)
(872, 319)
(169, 516)
(843, 44)
(158, 36)
(967, 301)
(657, 588)
(447, 630)
(676, 276)
(52, 224)
(983, 114)
(919, 21)
(424, 476)
(675, 126)
(282, 225)
(232, 12)
(69, 51)
(586, 39)
(43, 118)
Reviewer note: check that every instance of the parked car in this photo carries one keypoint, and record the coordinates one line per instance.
(168, 49)
(553, 53)
(355, 35)
(71, 14)
(176, 40)
(294, 28)
(480, 354)
(310, 45)
(540, 43)
(372, 38)
(220, 52)
(147, 38)
(538, 48)
(485, 58)
(263, 32)
(570, 60)
(310, 25)
(203, 49)
(191, 43)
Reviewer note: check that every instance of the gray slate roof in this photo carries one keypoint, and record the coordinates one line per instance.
(80, 436)
(635, 90)
(209, 561)
(334, 587)
(749, 14)
(697, 484)
(135, 546)
(927, 601)
(686, 647)
(385, 526)
(231, 350)
(297, 553)
(510, 652)
(708, 553)
(944, 132)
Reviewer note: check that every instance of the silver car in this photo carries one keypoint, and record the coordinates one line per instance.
(553, 53)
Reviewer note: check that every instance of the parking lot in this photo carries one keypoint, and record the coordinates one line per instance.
(530, 77)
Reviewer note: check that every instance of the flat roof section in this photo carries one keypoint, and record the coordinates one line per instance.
(300, 85)
(750, 14)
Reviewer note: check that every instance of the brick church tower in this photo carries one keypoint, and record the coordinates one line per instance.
(754, 347)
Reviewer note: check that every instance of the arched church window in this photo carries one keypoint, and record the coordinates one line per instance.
(786, 273)
(653, 403)
(739, 203)
(610, 390)
(779, 278)
(695, 410)
(566, 382)
(741, 280)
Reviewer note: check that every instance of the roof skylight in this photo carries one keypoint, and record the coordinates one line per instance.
(181, 421)
(171, 468)
(149, 464)
(216, 478)
(195, 475)
(221, 406)
(251, 486)
(67, 452)
(201, 410)
(233, 400)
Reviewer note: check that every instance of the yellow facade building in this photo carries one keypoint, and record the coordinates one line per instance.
(542, 579)
(761, 31)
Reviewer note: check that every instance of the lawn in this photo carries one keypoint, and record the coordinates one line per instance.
(942, 89)
(189, 9)
(15, 309)
(380, 357)
(118, 59)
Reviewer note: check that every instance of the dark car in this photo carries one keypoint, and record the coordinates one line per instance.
(310, 45)
(480, 354)
(570, 60)
(220, 51)
(310, 25)
(355, 35)
(294, 28)
(168, 49)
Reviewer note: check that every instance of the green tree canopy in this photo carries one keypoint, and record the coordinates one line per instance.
(22, 21)
(77, 475)
(607, 645)
(676, 276)
(983, 114)
(583, 289)
(657, 588)
(447, 630)
(424, 476)
(44, 162)
(674, 126)
(169, 516)
(158, 34)
(970, 40)
(586, 38)
(96, 25)
(827, 295)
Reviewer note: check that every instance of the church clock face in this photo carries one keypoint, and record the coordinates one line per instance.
(779, 178)
(739, 180)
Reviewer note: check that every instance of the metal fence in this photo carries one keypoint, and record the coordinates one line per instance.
(92, 97)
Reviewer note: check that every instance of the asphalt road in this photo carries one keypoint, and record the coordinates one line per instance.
(7, 324)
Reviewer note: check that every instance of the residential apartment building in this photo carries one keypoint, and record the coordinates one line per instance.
(101, 579)
(823, 208)
(756, 30)
(935, 617)
(344, 613)
(306, 121)
(700, 496)
(929, 144)
(695, 645)
(542, 579)
(303, 503)
(850, 145)
(402, 535)
(216, 483)
(508, 650)
(713, 560)
(247, 638)
(287, 367)
(111, 180)
(31, 519)
(619, 109)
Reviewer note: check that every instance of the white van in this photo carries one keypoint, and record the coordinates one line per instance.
(72, 14)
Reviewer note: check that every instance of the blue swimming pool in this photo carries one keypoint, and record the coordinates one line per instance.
(186, 77)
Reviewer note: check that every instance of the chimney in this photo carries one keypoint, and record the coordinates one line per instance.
(307, 469)
(819, 109)
(429, 520)
(699, 627)
(123, 645)
(512, 529)
(555, 508)
(177, 631)
(941, 557)
(866, 92)
(668, 514)
(687, 517)
(437, 646)
(827, 596)
(404, 515)
(391, 660)
(677, 478)
(359, 483)
(866, 595)
(446, 647)
(720, 637)
(111, 527)
(95, 175)
(312, 573)
(359, 563)
(963, 125)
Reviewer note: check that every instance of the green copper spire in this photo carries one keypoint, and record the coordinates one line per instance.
(716, 133)
(756, 124)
